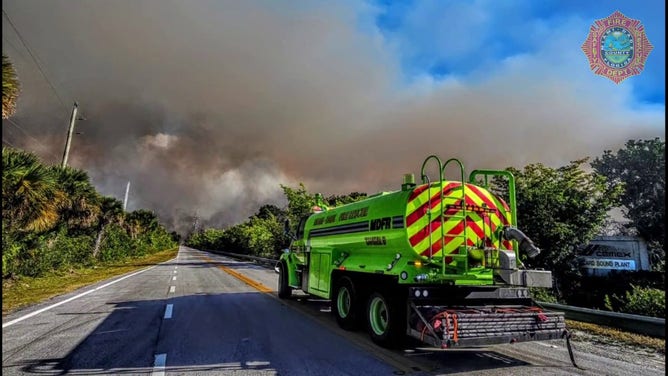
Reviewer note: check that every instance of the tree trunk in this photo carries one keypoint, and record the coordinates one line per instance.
(98, 240)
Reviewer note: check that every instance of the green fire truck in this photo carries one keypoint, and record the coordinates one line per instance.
(437, 261)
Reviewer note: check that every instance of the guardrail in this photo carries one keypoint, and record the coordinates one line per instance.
(651, 326)
(258, 260)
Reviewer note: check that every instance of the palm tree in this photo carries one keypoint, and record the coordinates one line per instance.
(141, 221)
(111, 211)
(81, 207)
(10, 88)
(30, 195)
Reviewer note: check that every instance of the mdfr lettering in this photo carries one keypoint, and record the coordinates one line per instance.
(380, 224)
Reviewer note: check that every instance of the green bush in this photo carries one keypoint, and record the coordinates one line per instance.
(116, 243)
(11, 250)
(543, 294)
(640, 301)
(593, 289)
(66, 251)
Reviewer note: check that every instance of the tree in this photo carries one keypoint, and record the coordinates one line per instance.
(260, 237)
(10, 88)
(560, 209)
(269, 210)
(300, 203)
(338, 200)
(30, 195)
(141, 221)
(641, 167)
(111, 213)
(80, 209)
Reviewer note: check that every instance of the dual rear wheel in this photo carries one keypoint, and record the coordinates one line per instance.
(383, 312)
(346, 304)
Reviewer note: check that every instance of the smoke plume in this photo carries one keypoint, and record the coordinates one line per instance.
(207, 107)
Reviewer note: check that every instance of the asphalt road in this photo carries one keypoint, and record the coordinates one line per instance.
(204, 313)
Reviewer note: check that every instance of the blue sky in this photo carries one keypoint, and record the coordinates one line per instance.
(460, 38)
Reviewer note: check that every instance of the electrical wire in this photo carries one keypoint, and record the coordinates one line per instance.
(12, 122)
(32, 55)
(11, 44)
(9, 143)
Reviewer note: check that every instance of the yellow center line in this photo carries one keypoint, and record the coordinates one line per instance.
(256, 285)
(406, 365)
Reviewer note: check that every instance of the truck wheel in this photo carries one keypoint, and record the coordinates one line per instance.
(386, 319)
(345, 304)
(284, 289)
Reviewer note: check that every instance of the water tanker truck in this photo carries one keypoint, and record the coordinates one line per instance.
(437, 261)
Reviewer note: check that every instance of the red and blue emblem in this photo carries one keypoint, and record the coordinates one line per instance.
(617, 47)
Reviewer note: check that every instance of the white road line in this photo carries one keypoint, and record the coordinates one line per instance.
(72, 298)
(546, 344)
(159, 365)
(174, 271)
(172, 288)
(168, 311)
(174, 278)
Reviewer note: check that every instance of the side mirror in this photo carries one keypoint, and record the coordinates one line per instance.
(286, 230)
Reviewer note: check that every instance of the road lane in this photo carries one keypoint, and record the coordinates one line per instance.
(218, 324)
(110, 329)
(221, 324)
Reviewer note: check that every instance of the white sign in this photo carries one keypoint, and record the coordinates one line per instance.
(597, 263)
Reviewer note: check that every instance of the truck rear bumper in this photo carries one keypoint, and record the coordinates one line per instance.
(458, 327)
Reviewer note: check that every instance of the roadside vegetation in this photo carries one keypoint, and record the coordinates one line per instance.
(53, 219)
(22, 291)
(617, 335)
(263, 234)
(55, 223)
(560, 209)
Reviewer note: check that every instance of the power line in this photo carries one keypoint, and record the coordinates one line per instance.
(9, 143)
(39, 67)
(18, 50)
(33, 138)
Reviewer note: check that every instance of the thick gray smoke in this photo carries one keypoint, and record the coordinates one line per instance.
(206, 107)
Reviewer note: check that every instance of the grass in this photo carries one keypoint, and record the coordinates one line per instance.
(658, 344)
(25, 291)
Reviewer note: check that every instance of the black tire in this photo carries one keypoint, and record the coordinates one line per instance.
(386, 319)
(346, 304)
(284, 289)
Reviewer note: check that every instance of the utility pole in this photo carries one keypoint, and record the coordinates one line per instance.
(125, 202)
(73, 119)
(196, 223)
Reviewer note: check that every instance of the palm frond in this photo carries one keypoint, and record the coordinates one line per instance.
(10, 88)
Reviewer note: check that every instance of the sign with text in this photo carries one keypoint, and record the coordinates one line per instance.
(616, 264)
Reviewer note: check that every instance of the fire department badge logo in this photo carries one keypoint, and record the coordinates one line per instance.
(617, 47)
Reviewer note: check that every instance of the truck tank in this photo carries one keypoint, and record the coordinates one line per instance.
(447, 226)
